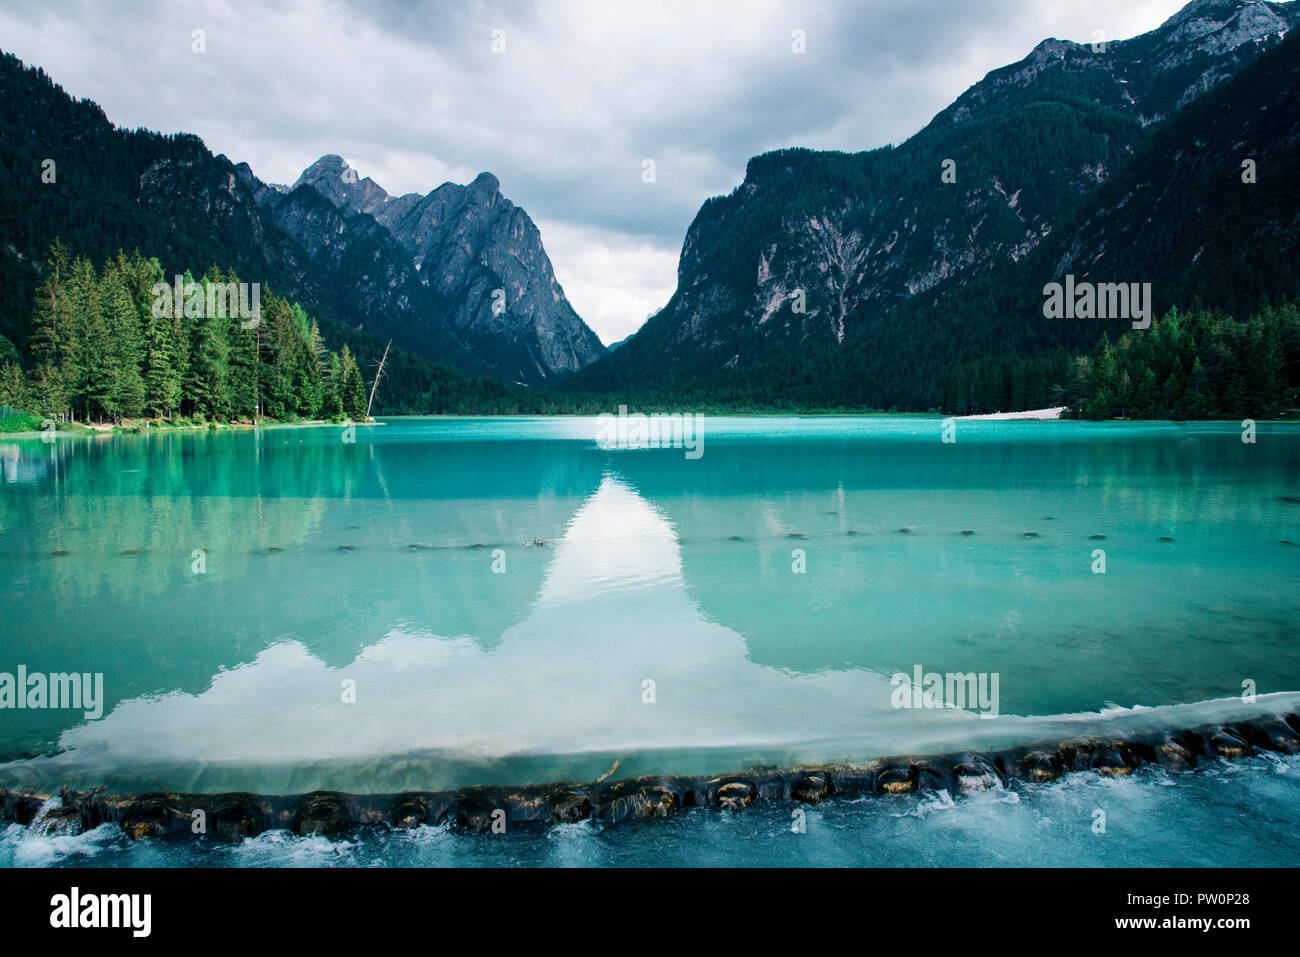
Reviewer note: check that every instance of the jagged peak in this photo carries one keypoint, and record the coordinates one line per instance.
(329, 164)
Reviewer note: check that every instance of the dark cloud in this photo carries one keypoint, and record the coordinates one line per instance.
(413, 95)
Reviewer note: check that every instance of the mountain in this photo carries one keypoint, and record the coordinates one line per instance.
(481, 258)
(820, 251)
(171, 198)
(1178, 215)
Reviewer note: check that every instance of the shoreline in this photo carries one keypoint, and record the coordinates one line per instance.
(1055, 414)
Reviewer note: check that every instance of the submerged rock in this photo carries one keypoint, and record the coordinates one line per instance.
(235, 816)
(321, 814)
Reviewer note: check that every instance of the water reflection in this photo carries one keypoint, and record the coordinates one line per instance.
(564, 690)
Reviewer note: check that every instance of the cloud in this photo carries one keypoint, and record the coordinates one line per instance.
(582, 94)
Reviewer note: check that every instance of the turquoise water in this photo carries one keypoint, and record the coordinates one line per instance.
(499, 593)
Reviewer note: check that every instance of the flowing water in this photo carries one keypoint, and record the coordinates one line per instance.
(433, 603)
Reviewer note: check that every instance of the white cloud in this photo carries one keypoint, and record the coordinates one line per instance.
(613, 280)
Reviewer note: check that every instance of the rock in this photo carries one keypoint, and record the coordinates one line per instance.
(811, 788)
(236, 817)
(1271, 734)
(60, 822)
(895, 779)
(149, 816)
(639, 799)
(479, 257)
(569, 806)
(409, 812)
(736, 795)
(321, 813)
(1041, 767)
(973, 774)
(1226, 743)
(1174, 756)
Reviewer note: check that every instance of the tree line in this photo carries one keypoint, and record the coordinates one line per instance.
(100, 349)
(1196, 363)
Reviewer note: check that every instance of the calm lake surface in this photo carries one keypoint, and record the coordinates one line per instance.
(511, 603)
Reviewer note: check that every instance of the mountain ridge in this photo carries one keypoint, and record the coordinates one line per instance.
(853, 237)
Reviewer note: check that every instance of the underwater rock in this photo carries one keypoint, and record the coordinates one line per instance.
(1040, 767)
(1172, 755)
(234, 816)
(640, 798)
(322, 813)
(569, 806)
(149, 816)
(1226, 743)
(1271, 734)
(736, 795)
(812, 788)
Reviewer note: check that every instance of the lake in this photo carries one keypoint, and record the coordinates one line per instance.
(435, 603)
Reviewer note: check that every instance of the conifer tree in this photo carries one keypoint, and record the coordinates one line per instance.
(353, 391)
(120, 385)
(332, 390)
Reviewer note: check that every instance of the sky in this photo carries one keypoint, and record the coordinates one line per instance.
(563, 100)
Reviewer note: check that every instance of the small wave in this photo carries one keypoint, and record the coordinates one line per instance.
(24, 847)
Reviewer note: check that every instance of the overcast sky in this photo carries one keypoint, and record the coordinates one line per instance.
(414, 95)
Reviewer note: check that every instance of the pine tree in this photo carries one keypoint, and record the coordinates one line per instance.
(123, 392)
(332, 391)
(205, 380)
(47, 393)
(243, 360)
(353, 390)
(13, 386)
(85, 344)
(46, 338)
(162, 375)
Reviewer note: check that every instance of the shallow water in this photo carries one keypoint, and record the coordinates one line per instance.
(228, 585)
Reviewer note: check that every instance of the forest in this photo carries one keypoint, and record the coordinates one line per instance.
(100, 352)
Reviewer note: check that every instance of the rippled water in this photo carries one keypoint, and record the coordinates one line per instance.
(228, 585)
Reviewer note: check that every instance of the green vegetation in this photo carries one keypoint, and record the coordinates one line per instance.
(101, 350)
(21, 422)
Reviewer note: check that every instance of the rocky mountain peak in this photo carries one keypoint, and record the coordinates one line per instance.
(481, 258)
(338, 181)
(485, 181)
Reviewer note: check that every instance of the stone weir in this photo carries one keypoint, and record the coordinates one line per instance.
(234, 816)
